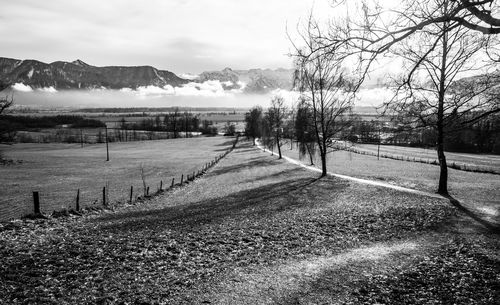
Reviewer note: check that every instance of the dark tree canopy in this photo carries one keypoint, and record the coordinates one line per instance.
(253, 123)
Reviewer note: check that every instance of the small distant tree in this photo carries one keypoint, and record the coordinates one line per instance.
(275, 116)
(6, 103)
(158, 122)
(175, 115)
(253, 123)
(229, 129)
(7, 130)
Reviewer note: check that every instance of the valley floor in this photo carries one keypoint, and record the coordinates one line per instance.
(256, 230)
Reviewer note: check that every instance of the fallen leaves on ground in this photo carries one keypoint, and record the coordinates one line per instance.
(244, 214)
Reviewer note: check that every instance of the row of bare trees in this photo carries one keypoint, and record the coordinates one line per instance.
(447, 51)
(316, 120)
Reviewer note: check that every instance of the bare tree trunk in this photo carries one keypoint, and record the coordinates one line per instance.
(278, 143)
(323, 164)
(309, 152)
(443, 174)
(323, 158)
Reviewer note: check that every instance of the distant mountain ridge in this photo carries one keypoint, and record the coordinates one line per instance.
(80, 75)
(253, 80)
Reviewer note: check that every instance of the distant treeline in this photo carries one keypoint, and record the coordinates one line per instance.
(21, 122)
(159, 109)
(175, 122)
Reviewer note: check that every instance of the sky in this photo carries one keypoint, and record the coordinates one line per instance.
(183, 36)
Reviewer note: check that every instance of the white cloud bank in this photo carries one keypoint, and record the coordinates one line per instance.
(21, 87)
(210, 88)
(48, 90)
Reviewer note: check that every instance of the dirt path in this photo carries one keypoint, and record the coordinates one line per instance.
(359, 180)
(254, 230)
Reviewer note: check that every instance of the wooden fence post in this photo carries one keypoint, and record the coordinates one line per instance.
(147, 191)
(182, 178)
(104, 196)
(78, 200)
(107, 146)
(36, 202)
(131, 193)
(173, 180)
(161, 185)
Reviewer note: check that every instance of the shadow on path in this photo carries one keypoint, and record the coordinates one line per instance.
(491, 226)
(247, 204)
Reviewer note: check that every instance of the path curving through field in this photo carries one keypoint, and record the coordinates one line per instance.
(358, 180)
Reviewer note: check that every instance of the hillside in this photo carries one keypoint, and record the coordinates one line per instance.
(251, 81)
(79, 75)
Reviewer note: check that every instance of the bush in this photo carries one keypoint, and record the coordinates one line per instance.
(210, 131)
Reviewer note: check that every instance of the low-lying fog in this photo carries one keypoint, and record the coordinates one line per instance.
(132, 98)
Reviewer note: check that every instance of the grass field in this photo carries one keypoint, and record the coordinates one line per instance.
(256, 230)
(480, 191)
(58, 170)
(474, 160)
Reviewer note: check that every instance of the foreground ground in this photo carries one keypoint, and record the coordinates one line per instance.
(257, 230)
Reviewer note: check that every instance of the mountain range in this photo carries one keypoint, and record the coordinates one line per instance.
(79, 75)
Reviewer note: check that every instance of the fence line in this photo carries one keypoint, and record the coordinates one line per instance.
(106, 202)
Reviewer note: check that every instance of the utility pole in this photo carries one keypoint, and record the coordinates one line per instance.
(378, 148)
(107, 146)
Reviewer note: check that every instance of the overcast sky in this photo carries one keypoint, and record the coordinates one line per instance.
(183, 36)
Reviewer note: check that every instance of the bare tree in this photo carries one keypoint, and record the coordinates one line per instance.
(326, 91)
(438, 41)
(6, 103)
(275, 116)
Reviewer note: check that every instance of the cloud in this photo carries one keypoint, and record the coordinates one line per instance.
(189, 76)
(241, 88)
(47, 89)
(290, 97)
(21, 87)
(177, 35)
(155, 91)
(210, 88)
(373, 97)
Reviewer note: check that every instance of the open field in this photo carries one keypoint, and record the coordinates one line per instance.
(256, 230)
(58, 170)
(482, 160)
(479, 191)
